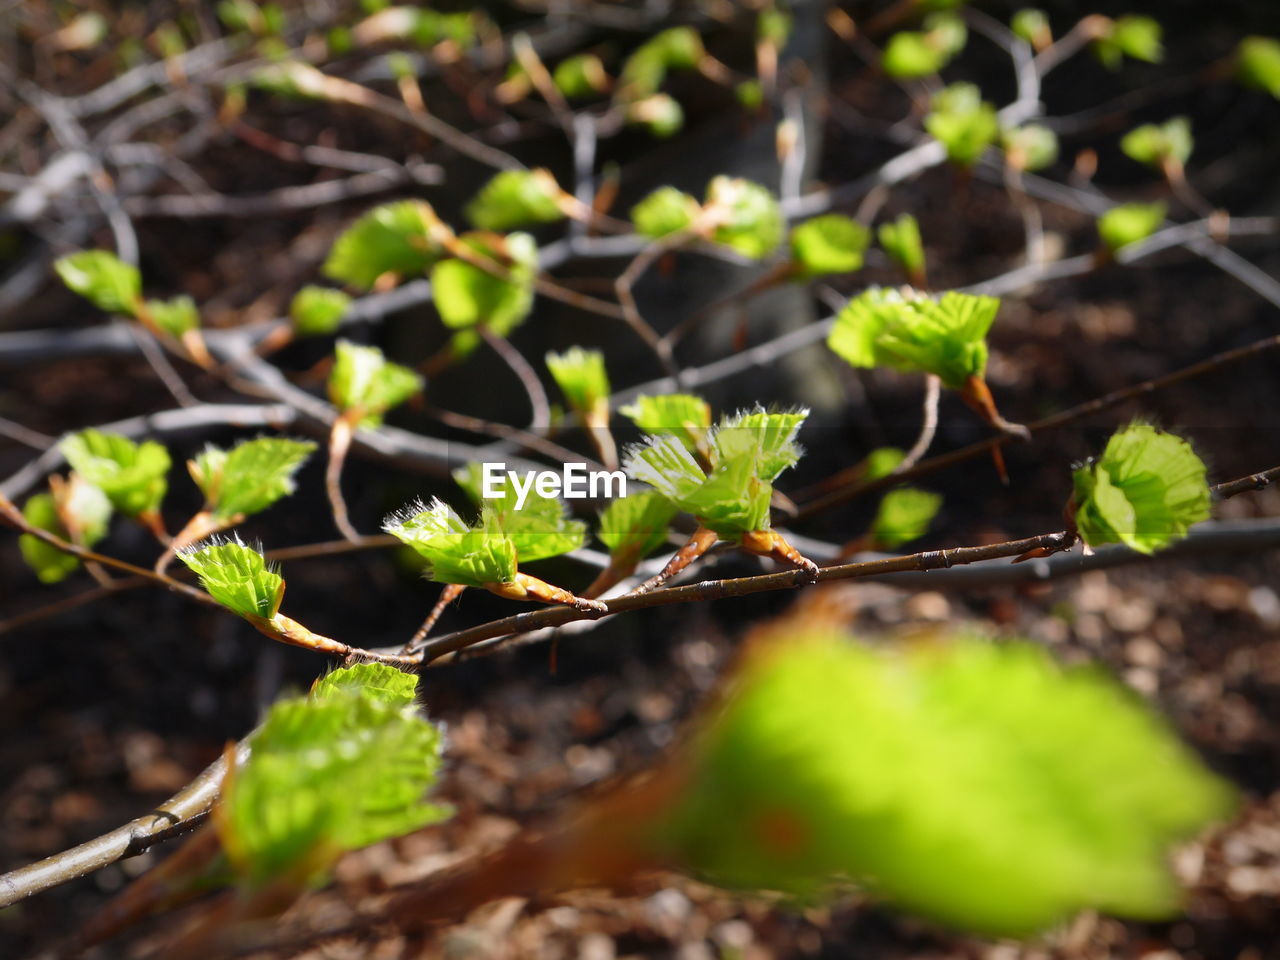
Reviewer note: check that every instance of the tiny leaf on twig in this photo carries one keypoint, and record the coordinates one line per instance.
(516, 198)
(664, 212)
(318, 311)
(250, 477)
(832, 243)
(364, 380)
(237, 576)
(401, 239)
(132, 475)
(103, 279)
(904, 515)
(1129, 223)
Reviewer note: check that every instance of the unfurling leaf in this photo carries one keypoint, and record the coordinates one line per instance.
(746, 216)
(467, 295)
(343, 768)
(365, 380)
(399, 239)
(516, 198)
(904, 515)
(1129, 223)
(963, 122)
(1032, 26)
(318, 311)
(237, 576)
(909, 331)
(677, 48)
(1258, 64)
(1156, 146)
(1130, 36)
(747, 451)
(681, 415)
(103, 279)
(175, 317)
(581, 377)
(49, 564)
(250, 477)
(1061, 790)
(665, 211)
(456, 553)
(832, 243)
(1145, 491)
(132, 475)
(901, 241)
(538, 528)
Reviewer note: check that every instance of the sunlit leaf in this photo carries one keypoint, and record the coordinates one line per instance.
(636, 525)
(981, 785)
(237, 576)
(1145, 491)
(1258, 64)
(1129, 223)
(665, 211)
(1130, 36)
(456, 553)
(660, 113)
(1032, 25)
(365, 380)
(132, 475)
(681, 415)
(250, 477)
(467, 295)
(580, 76)
(1031, 147)
(900, 239)
(49, 564)
(103, 279)
(904, 515)
(1155, 145)
(538, 527)
(399, 239)
(964, 123)
(318, 311)
(175, 317)
(832, 243)
(516, 198)
(747, 216)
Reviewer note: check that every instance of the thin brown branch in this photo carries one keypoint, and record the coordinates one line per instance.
(539, 405)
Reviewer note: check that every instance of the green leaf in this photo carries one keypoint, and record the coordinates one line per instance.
(362, 378)
(749, 450)
(468, 296)
(1031, 147)
(1062, 791)
(681, 415)
(770, 438)
(1154, 145)
(249, 478)
(580, 76)
(663, 212)
(376, 681)
(636, 525)
(538, 528)
(336, 771)
(746, 215)
(1258, 64)
(50, 564)
(911, 54)
(1032, 26)
(132, 475)
(103, 279)
(677, 48)
(881, 462)
(773, 26)
(901, 241)
(516, 198)
(1145, 491)
(660, 113)
(237, 576)
(175, 317)
(455, 553)
(1129, 36)
(944, 336)
(832, 243)
(399, 238)
(904, 515)
(750, 94)
(963, 123)
(318, 311)
(1129, 223)
(581, 377)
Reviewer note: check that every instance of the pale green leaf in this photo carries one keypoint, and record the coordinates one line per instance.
(362, 378)
(1155, 145)
(49, 564)
(580, 76)
(1032, 25)
(581, 377)
(1129, 36)
(1258, 64)
(904, 515)
(398, 238)
(901, 241)
(963, 123)
(660, 113)
(516, 198)
(1129, 223)
(103, 279)
(132, 475)
(832, 243)
(377, 681)
(456, 553)
(981, 785)
(318, 311)
(175, 317)
(663, 212)
(468, 296)
(681, 415)
(636, 525)
(1031, 147)
(251, 477)
(237, 576)
(747, 216)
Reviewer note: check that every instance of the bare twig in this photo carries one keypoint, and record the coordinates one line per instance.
(540, 407)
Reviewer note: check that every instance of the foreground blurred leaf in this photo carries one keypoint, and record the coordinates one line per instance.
(103, 279)
(399, 239)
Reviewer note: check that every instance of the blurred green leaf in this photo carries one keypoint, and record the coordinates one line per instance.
(634, 526)
(103, 279)
(1032, 25)
(516, 198)
(581, 377)
(1258, 64)
(746, 215)
(375, 681)
(468, 296)
(362, 378)
(1129, 223)
(398, 238)
(336, 771)
(175, 317)
(665, 211)
(681, 415)
(660, 113)
(1154, 145)
(832, 243)
(981, 785)
(580, 76)
(900, 239)
(132, 475)
(1129, 36)
(1030, 147)
(904, 515)
(539, 528)
(49, 564)
(318, 311)
(1145, 491)
(964, 123)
